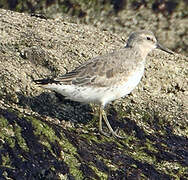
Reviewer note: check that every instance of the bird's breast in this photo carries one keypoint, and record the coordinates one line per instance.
(128, 83)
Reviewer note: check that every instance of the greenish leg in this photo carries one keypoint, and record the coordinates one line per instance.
(102, 114)
(100, 122)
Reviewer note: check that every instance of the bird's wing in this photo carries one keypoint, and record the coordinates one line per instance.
(100, 71)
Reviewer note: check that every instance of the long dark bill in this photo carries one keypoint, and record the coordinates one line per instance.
(164, 49)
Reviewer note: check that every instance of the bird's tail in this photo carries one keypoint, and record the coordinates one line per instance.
(44, 81)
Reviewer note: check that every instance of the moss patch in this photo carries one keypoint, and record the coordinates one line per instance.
(28, 141)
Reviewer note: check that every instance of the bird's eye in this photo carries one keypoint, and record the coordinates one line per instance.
(148, 38)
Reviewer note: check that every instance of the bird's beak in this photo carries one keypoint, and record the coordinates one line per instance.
(164, 49)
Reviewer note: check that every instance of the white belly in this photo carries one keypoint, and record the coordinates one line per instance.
(101, 95)
(124, 89)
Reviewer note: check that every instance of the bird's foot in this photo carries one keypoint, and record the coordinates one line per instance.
(113, 133)
(104, 133)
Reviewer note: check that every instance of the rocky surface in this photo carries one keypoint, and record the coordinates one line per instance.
(168, 18)
(45, 136)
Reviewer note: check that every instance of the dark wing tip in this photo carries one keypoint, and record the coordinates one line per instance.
(45, 81)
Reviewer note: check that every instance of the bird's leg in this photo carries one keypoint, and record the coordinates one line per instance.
(100, 121)
(102, 111)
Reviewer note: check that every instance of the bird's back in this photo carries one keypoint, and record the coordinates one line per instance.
(102, 79)
(102, 71)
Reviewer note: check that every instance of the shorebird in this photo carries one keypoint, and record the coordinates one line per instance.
(106, 78)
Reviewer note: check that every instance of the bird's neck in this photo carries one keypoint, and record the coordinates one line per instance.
(140, 51)
(143, 52)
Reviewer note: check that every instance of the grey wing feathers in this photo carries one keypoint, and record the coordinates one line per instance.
(99, 71)
(80, 76)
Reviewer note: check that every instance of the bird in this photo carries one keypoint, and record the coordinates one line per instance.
(107, 77)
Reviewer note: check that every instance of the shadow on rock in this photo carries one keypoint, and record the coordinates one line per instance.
(45, 148)
(27, 151)
(56, 106)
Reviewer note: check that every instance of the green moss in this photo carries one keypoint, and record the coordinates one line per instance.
(69, 156)
(47, 136)
(100, 174)
(142, 156)
(173, 168)
(6, 160)
(181, 130)
(12, 134)
(19, 138)
(7, 132)
(150, 146)
(42, 129)
(138, 150)
(19, 7)
(4, 4)
(3, 122)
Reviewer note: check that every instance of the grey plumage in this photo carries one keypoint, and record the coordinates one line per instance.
(107, 77)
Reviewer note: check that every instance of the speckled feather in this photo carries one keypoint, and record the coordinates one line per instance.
(107, 77)
(103, 71)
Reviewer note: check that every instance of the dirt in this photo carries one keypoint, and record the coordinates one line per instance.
(45, 136)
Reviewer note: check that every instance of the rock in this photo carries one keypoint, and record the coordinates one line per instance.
(45, 136)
